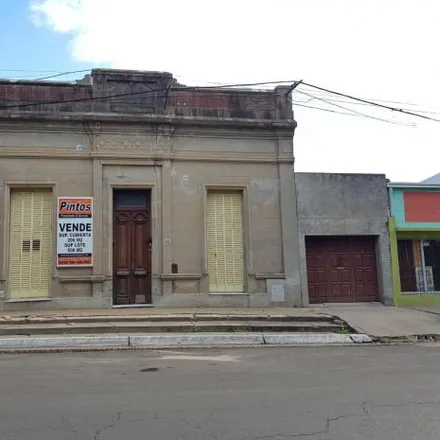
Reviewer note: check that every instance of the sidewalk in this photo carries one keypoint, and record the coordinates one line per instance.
(214, 327)
(382, 321)
(166, 328)
(133, 311)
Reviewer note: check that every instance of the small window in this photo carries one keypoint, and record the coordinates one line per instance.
(36, 245)
(26, 246)
(131, 199)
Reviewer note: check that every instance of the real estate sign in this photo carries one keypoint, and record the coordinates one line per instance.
(75, 232)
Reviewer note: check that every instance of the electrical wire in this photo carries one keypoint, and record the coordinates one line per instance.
(232, 86)
(112, 96)
(348, 109)
(91, 98)
(295, 103)
(374, 104)
(351, 102)
(28, 71)
(62, 74)
(299, 104)
(264, 83)
(319, 90)
(54, 73)
(413, 104)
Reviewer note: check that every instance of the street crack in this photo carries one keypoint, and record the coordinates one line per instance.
(305, 434)
(396, 405)
(326, 430)
(99, 432)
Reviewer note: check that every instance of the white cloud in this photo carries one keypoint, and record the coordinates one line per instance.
(372, 48)
(62, 16)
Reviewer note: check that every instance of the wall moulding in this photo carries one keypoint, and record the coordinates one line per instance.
(46, 152)
(149, 143)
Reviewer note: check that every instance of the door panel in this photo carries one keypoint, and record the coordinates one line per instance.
(346, 268)
(132, 248)
(141, 258)
(121, 257)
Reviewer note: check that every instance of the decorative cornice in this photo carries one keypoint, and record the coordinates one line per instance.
(150, 118)
(144, 152)
(97, 130)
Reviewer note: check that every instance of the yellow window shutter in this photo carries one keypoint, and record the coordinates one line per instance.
(31, 244)
(225, 241)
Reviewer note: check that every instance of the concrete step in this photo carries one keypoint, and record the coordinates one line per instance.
(179, 318)
(169, 327)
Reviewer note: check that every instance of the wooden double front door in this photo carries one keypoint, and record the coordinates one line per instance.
(131, 247)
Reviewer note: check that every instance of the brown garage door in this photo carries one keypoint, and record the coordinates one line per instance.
(341, 269)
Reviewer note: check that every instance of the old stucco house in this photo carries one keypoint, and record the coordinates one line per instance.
(126, 188)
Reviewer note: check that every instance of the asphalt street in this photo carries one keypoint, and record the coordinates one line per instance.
(321, 393)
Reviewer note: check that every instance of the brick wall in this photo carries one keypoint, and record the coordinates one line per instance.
(42, 93)
(223, 104)
(180, 101)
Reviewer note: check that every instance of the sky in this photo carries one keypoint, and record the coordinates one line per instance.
(382, 50)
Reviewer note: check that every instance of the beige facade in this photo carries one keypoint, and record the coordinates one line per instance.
(218, 168)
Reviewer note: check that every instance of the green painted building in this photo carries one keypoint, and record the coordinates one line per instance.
(414, 229)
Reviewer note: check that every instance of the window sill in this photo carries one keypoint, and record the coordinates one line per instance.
(229, 293)
(271, 276)
(20, 300)
(82, 279)
(436, 292)
(180, 276)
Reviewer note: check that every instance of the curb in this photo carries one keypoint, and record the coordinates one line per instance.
(114, 342)
(41, 342)
(207, 339)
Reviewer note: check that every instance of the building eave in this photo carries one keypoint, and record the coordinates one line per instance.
(286, 124)
(413, 186)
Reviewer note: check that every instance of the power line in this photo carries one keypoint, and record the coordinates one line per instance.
(195, 88)
(61, 74)
(320, 91)
(413, 104)
(28, 71)
(323, 109)
(54, 73)
(375, 104)
(364, 101)
(345, 113)
(92, 98)
(351, 102)
(293, 86)
(348, 109)
(264, 83)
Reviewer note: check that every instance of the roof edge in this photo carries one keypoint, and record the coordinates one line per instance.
(413, 185)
